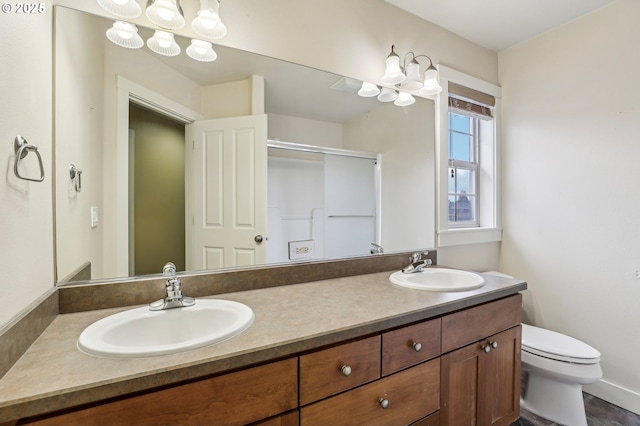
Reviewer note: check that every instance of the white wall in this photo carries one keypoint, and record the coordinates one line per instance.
(26, 228)
(571, 192)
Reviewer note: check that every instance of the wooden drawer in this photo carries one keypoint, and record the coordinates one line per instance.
(321, 372)
(473, 324)
(410, 345)
(287, 419)
(232, 399)
(412, 394)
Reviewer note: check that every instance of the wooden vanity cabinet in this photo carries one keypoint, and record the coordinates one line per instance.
(481, 381)
(456, 370)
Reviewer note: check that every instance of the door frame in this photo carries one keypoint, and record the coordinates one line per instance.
(128, 91)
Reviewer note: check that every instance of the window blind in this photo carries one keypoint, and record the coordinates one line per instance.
(471, 102)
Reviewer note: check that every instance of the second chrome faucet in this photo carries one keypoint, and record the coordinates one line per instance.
(417, 263)
(174, 297)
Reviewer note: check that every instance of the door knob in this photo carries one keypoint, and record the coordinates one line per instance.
(258, 238)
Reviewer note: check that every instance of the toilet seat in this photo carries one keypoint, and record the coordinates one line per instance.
(557, 346)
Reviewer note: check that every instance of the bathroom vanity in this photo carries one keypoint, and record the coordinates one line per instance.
(355, 350)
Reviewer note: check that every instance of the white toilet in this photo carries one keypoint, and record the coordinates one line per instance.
(556, 367)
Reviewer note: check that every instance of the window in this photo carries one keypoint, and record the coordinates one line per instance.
(468, 186)
(463, 169)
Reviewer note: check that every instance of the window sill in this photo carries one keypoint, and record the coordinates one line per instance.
(463, 236)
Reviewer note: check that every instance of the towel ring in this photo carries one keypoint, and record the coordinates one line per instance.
(76, 174)
(22, 149)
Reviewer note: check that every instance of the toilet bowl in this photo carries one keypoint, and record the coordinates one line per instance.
(556, 366)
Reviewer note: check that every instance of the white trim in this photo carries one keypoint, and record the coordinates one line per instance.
(610, 392)
(129, 91)
(459, 236)
(462, 236)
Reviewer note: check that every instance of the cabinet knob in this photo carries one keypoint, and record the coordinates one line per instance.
(486, 348)
(384, 403)
(346, 370)
(494, 345)
(417, 346)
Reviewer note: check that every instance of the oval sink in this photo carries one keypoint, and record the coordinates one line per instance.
(438, 279)
(140, 332)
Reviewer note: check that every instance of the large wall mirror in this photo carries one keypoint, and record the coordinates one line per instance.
(144, 159)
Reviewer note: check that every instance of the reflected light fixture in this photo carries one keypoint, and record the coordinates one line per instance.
(368, 90)
(404, 99)
(165, 13)
(122, 8)
(201, 51)
(125, 34)
(407, 76)
(163, 43)
(208, 23)
(387, 95)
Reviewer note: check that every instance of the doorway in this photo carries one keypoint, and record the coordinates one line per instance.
(156, 191)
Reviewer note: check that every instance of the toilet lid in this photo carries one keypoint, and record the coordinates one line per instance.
(550, 344)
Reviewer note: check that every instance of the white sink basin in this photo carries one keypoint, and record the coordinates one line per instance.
(438, 279)
(140, 332)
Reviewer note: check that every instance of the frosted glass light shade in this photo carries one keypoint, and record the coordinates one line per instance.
(122, 8)
(413, 81)
(387, 95)
(208, 23)
(393, 73)
(165, 13)
(201, 51)
(368, 90)
(404, 99)
(163, 44)
(125, 34)
(431, 84)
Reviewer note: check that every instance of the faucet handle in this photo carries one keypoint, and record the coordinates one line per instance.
(169, 269)
(415, 257)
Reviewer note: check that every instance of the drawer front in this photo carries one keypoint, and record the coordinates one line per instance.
(410, 345)
(473, 324)
(322, 375)
(232, 399)
(411, 395)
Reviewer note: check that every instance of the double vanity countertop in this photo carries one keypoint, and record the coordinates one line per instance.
(54, 374)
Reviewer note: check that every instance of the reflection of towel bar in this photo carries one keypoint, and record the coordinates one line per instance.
(22, 148)
(350, 215)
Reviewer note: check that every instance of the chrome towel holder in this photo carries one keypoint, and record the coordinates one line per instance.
(75, 174)
(22, 149)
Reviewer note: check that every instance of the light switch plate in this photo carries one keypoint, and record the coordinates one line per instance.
(94, 216)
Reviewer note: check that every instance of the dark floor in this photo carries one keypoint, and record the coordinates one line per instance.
(599, 413)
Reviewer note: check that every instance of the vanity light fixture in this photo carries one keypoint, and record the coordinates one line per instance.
(208, 23)
(201, 51)
(163, 43)
(165, 13)
(125, 34)
(407, 76)
(122, 8)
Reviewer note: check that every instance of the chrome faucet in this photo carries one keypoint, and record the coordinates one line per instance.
(174, 298)
(376, 249)
(417, 263)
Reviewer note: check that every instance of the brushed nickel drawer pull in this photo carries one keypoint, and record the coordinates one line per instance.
(417, 346)
(346, 370)
(384, 403)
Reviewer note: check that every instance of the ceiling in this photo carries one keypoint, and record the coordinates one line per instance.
(499, 24)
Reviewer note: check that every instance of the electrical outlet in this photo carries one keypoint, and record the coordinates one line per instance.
(301, 249)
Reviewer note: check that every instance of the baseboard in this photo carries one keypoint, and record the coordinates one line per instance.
(625, 398)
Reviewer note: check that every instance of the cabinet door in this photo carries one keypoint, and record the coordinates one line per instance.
(232, 399)
(481, 387)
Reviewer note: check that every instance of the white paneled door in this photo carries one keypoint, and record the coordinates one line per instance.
(226, 193)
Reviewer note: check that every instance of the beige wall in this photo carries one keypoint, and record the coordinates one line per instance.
(26, 213)
(571, 192)
(79, 112)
